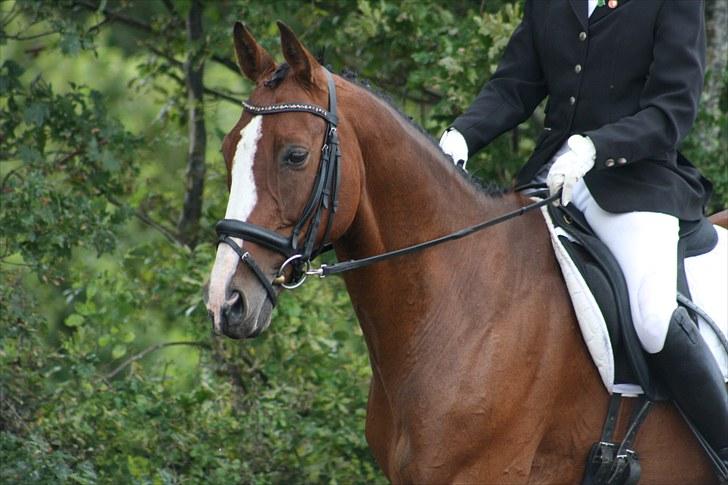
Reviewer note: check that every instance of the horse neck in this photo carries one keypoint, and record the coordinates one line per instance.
(410, 193)
(410, 189)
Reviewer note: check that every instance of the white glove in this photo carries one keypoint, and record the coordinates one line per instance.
(570, 167)
(454, 146)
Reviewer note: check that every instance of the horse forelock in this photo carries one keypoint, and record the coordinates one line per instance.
(278, 76)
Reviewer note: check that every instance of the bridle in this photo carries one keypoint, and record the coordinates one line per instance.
(299, 248)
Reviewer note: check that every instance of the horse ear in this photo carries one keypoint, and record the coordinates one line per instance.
(253, 59)
(301, 61)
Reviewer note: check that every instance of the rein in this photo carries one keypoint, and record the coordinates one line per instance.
(325, 270)
(301, 249)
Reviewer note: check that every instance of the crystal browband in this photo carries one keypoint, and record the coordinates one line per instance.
(290, 107)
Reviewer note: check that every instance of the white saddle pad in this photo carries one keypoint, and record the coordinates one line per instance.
(708, 280)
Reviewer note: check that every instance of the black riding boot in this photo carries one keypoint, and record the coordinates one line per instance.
(687, 367)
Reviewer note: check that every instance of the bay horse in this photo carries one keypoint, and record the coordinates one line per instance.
(479, 371)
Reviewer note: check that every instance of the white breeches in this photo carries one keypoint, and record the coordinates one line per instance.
(645, 246)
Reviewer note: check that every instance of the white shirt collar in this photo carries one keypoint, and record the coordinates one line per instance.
(592, 6)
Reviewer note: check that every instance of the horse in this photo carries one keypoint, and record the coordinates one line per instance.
(479, 370)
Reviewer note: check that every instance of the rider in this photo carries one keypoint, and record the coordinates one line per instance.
(623, 81)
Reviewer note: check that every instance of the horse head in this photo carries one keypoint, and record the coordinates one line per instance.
(281, 206)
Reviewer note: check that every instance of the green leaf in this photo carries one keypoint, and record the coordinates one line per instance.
(36, 113)
(74, 320)
(110, 162)
(129, 337)
(29, 154)
(86, 308)
(119, 351)
(70, 43)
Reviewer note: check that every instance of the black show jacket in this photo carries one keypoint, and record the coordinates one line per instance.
(628, 77)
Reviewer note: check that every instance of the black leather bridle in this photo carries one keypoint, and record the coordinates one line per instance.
(299, 248)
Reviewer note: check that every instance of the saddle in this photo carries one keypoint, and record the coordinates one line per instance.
(604, 278)
(599, 294)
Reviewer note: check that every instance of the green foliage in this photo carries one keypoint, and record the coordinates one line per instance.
(64, 162)
(109, 374)
(707, 144)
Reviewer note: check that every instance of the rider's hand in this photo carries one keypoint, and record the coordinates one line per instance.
(454, 146)
(570, 167)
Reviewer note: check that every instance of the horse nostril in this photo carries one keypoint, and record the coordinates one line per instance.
(234, 308)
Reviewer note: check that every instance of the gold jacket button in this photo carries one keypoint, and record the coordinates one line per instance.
(609, 163)
(582, 36)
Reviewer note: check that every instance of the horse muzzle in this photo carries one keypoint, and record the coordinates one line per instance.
(238, 316)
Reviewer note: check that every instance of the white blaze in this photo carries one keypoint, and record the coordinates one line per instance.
(243, 197)
(242, 191)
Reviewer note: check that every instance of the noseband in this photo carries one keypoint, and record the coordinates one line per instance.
(299, 248)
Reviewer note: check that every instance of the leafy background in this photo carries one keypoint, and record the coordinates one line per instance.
(112, 114)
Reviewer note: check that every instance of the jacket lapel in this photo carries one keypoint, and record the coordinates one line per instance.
(579, 8)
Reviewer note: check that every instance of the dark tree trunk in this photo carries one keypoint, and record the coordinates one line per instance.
(189, 222)
(716, 16)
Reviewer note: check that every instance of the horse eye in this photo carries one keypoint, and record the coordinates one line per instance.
(296, 157)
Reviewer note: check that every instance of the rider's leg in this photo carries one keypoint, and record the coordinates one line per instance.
(645, 246)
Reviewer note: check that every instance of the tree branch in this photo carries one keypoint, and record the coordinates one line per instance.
(226, 62)
(12, 14)
(115, 16)
(27, 37)
(137, 24)
(226, 97)
(149, 350)
(164, 55)
(169, 234)
(176, 63)
(212, 92)
(13, 172)
(170, 8)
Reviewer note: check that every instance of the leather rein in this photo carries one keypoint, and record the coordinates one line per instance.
(300, 248)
